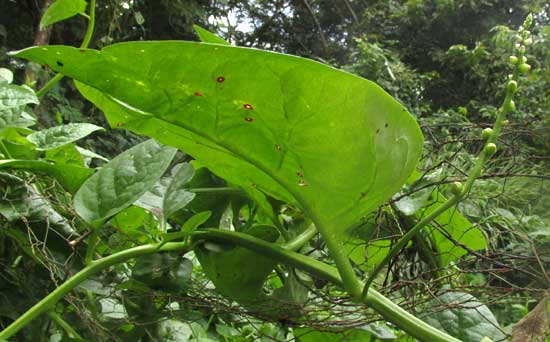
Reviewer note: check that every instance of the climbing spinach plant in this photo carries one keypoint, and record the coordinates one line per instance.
(282, 132)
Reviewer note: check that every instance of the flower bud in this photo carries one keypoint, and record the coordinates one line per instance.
(511, 105)
(512, 86)
(528, 41)
(490, 149)
(523, 68)
(486, 133)
(456, 188)
(521, 48)
(523, 59)
(513, 60)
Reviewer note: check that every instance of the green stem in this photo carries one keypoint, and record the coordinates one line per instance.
(60, 322)
(298, 241)
(218, 191)
(92, 243)
(6, 151)
(389, 310)
(48, 302)
(85, 42)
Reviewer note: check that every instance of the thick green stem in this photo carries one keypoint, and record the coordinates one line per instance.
(218, 191)
(48, 302)
(85, 42)
(390, 311)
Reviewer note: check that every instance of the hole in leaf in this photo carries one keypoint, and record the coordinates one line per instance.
(386, 125)
(378, 131)
(302, 183)
(299, 174)
(82, 50)
(59, 63)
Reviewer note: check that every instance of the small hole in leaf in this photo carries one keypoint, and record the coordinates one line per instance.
(248, 106)
(198, 93)
(277, 147)
(253, 185)
(302, 183)
(220, 79)
(248, 119)
(299, 174)
(59, 63)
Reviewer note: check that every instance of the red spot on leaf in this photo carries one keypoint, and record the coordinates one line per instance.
(248, 106)
(82, 50)
(198, 93)
(220, 79)
(248, 119)
(120, 124)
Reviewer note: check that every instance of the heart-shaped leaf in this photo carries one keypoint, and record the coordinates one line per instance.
(122, 181)
(335, 144)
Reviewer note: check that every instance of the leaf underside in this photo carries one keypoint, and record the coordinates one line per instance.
(333, 143)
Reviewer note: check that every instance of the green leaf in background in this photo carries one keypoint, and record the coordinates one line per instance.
(232, 271)
(14, 96)
(170, 193)
(352, 335)
(16, 117)
(122, 181)
(6, 76)
(421, 203)
(66, 154)
(464, 317)
(61, 135)
(69, 176)
(295, 129)
(61, 10)
(89, 155)
(208, 37)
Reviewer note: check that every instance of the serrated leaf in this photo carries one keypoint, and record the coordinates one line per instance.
(332, 143)
(69, 176)
(122, 181)
(208, 37)
(61, 10)
(61, 135)
(464, 317)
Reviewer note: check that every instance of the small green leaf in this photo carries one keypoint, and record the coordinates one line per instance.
(195, 221)
(88, 155)
(14, 96)
(61, 135)
(69, 176)
(232, 271)
(6, 76)
(61, 10)
(170, 193)
(208, 37)
(66, 154)
(464, 317)
(122, 181)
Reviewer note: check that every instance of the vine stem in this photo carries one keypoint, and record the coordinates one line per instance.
(48, 302)
(474, 173)
(85, 42)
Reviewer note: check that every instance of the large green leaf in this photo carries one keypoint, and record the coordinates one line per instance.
(464, 318)
(61, 10)
(69, 176)
(122, 181)
(61, 135)
(333, 143)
